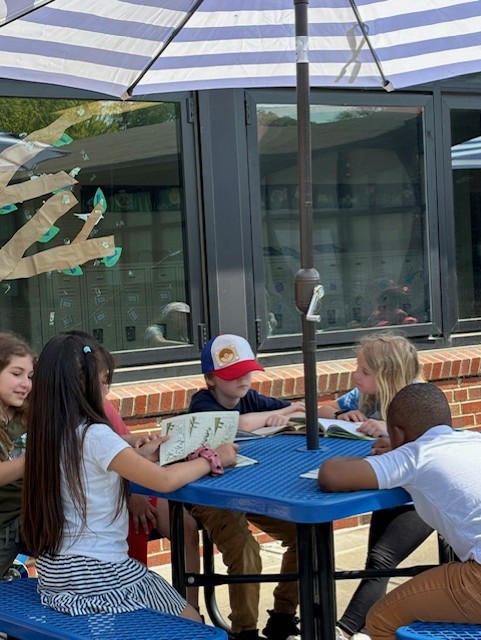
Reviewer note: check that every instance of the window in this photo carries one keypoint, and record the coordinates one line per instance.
(466, 165)
(99, 183)
(369, 208)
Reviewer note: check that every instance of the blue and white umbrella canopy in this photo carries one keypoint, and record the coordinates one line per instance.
(133, 47)
(467, 155)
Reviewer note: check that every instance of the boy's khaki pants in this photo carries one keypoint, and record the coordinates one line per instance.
(229, 531)
(448, 593)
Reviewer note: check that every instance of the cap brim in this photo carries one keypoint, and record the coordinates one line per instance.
(238, 370)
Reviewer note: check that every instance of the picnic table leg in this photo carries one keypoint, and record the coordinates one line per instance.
(327, 611)
(177, 547)
(307, 563)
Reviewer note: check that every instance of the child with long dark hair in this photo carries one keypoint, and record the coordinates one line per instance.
(17, 360)
(74, 499)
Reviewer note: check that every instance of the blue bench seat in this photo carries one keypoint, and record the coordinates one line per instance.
(439, 631)
(22, 616)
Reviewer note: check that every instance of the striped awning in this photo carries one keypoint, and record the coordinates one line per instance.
(467, 155)
(142, 47)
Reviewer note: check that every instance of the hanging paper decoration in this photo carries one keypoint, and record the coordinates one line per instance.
(99, 199)
(48, 235)
(64, 139)
(8, 208)
(74, 271)
(110, 261)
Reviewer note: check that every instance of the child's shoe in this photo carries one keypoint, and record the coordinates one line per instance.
(251, 634)
(280, 626)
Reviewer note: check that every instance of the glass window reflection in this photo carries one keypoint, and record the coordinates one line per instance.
(64, 163)
(369, 215)
(466, 164)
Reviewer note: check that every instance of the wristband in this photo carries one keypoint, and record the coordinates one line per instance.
(338, 413)
(216, 468)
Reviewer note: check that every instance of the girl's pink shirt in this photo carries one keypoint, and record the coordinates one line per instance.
(115, 419)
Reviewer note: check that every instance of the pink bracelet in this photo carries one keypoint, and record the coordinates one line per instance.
(216, 468)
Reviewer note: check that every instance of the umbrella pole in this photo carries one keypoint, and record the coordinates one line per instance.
(307, 277)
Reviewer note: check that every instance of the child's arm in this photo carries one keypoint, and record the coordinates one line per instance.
(276, 418)
(346, 474)
(328, 410)
(128, 464)
(11, 470)
(333, 410)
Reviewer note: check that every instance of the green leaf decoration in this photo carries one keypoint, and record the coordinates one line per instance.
(99, 198)
(218, 424)
(192, 424)
(66, 188)
(64, 139)
(74, 271)
(110, 261)
(8, 208)
(48, 235)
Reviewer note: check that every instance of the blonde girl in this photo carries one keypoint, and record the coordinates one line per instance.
(385, 364)
(17, 360)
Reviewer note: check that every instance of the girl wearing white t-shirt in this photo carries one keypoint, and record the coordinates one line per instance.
(74, 502)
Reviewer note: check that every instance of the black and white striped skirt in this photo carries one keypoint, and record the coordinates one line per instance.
(80, 585)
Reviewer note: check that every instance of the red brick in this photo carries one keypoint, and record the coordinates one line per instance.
(166, 401)
(471, 407)
(473, 392)
(461, 394)
(179, 403)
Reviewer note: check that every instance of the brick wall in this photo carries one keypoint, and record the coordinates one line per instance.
(456, 371)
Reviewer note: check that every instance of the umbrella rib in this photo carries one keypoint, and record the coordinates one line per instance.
(362, 25)
(22, 14)
(179, 27)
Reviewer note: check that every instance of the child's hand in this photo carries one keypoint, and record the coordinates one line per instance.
(143, 513)
(137, 441)
(150, 449)
(276, 420)
(227, 454)
(295, 406)
(374, 428)
(352, 416)
(381, 445)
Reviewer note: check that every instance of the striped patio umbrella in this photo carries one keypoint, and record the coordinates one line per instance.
(136, 48)
(133, 47)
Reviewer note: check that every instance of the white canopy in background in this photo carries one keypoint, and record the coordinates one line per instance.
(467, 155)
(134, 47)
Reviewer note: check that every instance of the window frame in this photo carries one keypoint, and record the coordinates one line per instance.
(345, 98)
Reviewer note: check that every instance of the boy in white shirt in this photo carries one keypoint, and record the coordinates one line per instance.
(439, 467)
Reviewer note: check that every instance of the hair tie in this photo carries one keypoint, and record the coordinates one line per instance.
(87, 349)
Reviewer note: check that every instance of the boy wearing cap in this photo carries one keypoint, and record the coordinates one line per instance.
(227, 364)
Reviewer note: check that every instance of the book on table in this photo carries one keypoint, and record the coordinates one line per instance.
(328, 427)
(190, 431)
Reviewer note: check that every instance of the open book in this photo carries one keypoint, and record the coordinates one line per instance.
(342, 429)
(328, 427)
(192, 430)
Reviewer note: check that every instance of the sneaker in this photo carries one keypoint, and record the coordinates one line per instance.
(340, 634)
(251, 634)
(280, 626)
(360, 636)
